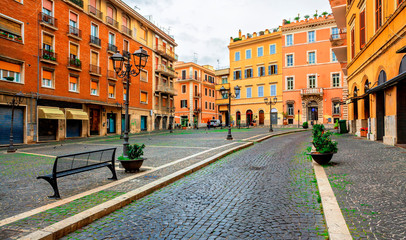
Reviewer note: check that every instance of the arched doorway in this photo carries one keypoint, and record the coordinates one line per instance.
(238, 118)
(380, 108)
(249, 117)
(366, 99)
(401, 105)
(164, 122)
(313, 111)
(261, 117)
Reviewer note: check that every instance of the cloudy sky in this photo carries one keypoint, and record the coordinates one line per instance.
(202, 28)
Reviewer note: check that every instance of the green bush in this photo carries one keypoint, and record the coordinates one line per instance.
(322, 140)
(305, 125)
(133, 152)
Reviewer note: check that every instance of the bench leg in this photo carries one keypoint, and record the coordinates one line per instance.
(54, 185)
(113, 170)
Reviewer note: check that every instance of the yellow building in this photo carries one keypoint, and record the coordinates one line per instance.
(376, 67)
(255, 66)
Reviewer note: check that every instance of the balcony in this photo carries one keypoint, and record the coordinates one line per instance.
(338, 8)
(112, 75)
(112, 22)
(95, 12)
(311, 92)
(48, 21)
(78, 3)
(126, 30)
(95, 41)
(74, 64)
(112, 48)
(168, 89)
(197, 110)
(197, 95)
(75, 32)
(165, 70)
(95, 70)
(166, 52)
(48, 56)
(339, 45)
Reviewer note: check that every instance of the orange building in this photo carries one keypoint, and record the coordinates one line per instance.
(313, 86)
(59, 58)
(195, 102)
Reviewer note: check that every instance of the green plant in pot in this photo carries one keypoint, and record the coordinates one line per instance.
(305, 125)
(324, 146)
(133, 162)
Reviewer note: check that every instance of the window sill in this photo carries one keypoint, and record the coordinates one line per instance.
(47, 87)
(44, 24)
(10, 81)
(74, 37)
(95, 45)
(73, 91)
(49, 61)
(95, 74)
(74, 68)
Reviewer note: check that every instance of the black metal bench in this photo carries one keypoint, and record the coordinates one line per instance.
(69, 164)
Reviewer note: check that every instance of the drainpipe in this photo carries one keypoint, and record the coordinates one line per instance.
(38, 80)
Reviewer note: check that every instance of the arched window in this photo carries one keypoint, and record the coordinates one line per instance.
(402, 67)
(382, 77)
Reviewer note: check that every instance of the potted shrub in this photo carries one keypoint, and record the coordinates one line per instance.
(305, 125)
(134, 160)
(364, 132)
(285, 118)
(323, 145)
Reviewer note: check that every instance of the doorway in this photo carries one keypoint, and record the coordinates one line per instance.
(238, 118)
(144, 123)
(380, 115)
(274, 116)
(249, 117)
(261, 117)
(111, 123)
(94, 121)
(313, 112)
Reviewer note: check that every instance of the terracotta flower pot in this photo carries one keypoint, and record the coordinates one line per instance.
(132, 165)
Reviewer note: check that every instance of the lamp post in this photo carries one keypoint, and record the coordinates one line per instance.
(227, 93)
(270, 103)
(298, 118)
(15, 102)
(303, 110)
(171, 110)
(125, 74)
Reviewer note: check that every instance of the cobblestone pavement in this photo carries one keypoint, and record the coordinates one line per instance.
(267, 191)
(369, 179)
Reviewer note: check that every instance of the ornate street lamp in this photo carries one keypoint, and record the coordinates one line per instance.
(171, 111)
(227, 93)
(15, 102)
(140, 58)
(270, 103)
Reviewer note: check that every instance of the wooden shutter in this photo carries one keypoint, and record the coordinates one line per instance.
(47, 5)
(94, 58)
(46, 39)
(73, 17)
(73, 79)
(92, 3)
(143, 97)
(73, 49)
(10, 66)
(378, 14)
(93, 85)
(110, 12)
(124, 21)
(10, 26)
(47, 75)
(111, 89)
(362, 28)
(352, 43)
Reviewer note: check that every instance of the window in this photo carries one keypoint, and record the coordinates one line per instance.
(260, 51)
(112, 90)
(183, 103)
(73, 20)
(378, 14)
(112, 39)
(260, 91)
(312, 81)
(289, 60)
(10, 72)
(289, 40)
(289, 83)
(126, 45)
(124, 93)
(73, 56)
(248, 54)
(248, 73)
(273, 90)
(311, 57)
(144, 97)
(94, 87)
(362, 29)
(311, 37)
(336, 79)
(94, 60)
(94, 30)
(205, 105)
(47, 78)
(144, 76)
(335, 33)
(237, 74)
(183, 74)
(352, 42)
(237, 56)
(333, 56)
(261, 71)
(205, 92)
(73, 83)
(183, 88)
(224, 80)
(47, 7)
(273, 69)
(249, 92)
(336, 108)
(272, 49)
(290, 109)
(11, 28)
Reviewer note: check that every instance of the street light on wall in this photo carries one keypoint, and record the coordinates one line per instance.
(140, 58)
(15, 102)
(270, 103)
(227, 93)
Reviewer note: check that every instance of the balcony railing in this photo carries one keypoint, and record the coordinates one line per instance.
(311, 91)
(166, 89)
(48, 55)
(197, 110)
(95, 12)
(75, 63)
(163, 69)
(95, 40)
(338, 39)
(165, 51)
(197, 95)
(78, 2)
(94, 69)
(75, 31)
(112, 22)
(112, 48)
(45, 18)
(111, 74)
(126, 30)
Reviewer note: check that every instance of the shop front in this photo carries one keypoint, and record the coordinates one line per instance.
(48, 123)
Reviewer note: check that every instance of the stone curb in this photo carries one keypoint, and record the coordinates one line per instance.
(71, 224)
(336, 225)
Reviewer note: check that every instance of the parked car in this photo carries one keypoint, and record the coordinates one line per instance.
(215, 123)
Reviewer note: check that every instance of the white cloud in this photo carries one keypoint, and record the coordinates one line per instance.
(205, 27)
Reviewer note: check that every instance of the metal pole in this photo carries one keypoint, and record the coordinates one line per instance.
(11, 148)
(127, 98)
(270, 114)
(298, 118)
(229, 137)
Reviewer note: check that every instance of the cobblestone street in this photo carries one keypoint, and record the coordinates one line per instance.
(267, 191)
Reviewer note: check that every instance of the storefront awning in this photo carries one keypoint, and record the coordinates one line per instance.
(388, 84)
(50, 113)
(223, 108)
(77, 114)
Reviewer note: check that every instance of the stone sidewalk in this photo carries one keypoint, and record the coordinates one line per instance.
(167, 153)
(369, 179)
